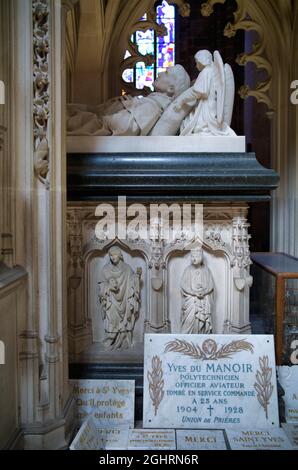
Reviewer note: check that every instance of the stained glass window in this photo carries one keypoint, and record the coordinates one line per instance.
(162, 48)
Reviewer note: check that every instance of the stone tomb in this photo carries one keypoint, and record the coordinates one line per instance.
(210, 381)
(162, 264)
(223, 182)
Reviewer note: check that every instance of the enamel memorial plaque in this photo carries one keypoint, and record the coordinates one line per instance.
(209, 381)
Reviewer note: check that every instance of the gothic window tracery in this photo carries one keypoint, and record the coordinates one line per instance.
(148, 43)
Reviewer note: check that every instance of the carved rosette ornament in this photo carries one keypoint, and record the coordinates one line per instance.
(41, 98)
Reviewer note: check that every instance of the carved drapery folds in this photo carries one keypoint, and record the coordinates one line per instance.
(149, 23)
(41, 84)
(244, 21)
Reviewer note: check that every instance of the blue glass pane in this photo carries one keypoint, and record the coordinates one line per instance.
(166, 45)
(170, 36)
(128, 75)
(165, 11)
(165, 55)
(145, 41)
(144, 76)
(145, 36)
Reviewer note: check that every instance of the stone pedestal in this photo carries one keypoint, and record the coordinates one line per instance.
(222, 183)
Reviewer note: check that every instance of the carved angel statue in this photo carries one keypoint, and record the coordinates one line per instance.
(211, 96)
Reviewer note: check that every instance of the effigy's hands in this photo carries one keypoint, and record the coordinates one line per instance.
(178, 106)
(187, 98)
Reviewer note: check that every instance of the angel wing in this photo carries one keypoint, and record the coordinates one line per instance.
(229, 94)
(220, 88)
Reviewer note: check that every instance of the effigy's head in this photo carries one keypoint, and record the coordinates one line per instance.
(173, 81)
(197, 256)
(115, 254)
(203, 58)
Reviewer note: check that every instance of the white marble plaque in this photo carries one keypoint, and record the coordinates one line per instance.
(110, 401)
(114, 437)
(87, 438)
(262, 439)
(152, 439)
(205, 381)
(200, 440)
(288, 379)
(291, 431)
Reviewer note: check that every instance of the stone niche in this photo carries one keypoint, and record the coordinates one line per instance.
(225, 253)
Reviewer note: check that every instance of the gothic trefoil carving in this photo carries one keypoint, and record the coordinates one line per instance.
(244, 19)
(41, 99)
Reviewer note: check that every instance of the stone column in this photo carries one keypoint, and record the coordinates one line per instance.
(6, 156)
(38, 38)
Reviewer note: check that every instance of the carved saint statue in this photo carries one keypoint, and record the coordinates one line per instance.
(129, 115)
(211, 97)
(197, 296)
(119, 297)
